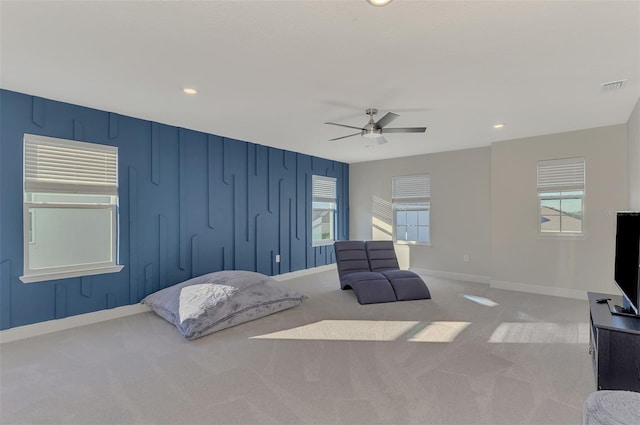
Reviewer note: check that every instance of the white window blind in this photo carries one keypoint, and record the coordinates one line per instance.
(561, 175)
(66, 166)
(324, 189)
(415, 188)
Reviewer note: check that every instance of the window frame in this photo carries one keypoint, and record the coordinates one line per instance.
(324, 195)
(561, 184)
(411, 193)
(63, 184)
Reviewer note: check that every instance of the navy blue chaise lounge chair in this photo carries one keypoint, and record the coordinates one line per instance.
(354, 273)
(371, 269)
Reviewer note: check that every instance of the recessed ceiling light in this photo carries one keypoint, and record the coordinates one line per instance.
(189, 90)
(378, 2)
(498, 125)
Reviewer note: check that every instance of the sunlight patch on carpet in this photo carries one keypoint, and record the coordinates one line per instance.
(541, 333)
(481, 300)
(372, 330)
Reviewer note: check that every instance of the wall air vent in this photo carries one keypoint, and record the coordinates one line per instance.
(613, 85)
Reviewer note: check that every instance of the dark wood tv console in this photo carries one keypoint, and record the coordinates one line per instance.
(614, 345)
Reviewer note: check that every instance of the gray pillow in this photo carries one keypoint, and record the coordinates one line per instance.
(218, 300)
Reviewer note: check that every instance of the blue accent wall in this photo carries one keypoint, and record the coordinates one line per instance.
(190, 203)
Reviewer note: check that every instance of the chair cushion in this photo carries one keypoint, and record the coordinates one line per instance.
(407, 285)
(351, 257)
(369, 287)
(381, 255)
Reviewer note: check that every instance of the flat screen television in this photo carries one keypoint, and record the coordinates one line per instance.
(627, 263)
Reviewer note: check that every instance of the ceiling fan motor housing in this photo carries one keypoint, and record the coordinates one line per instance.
(371, 130)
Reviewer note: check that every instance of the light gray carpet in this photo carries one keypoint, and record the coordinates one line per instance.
(449, 360)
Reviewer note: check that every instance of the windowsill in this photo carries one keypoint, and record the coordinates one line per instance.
(412, 243)
(560, 236)
(322, 243)
(40, 277)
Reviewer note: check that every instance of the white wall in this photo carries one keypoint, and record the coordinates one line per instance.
(521, 259)
(484, 203)
(633, 135)
(460, 207)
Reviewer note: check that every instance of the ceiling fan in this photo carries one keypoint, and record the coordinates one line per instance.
(375, 129)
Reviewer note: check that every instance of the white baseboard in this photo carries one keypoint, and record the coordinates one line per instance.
(454, 276)
(509, 286)
(28, 331)
(539, 289)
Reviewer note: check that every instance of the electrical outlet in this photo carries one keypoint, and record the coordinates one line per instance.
(278, 258)
(466, 258)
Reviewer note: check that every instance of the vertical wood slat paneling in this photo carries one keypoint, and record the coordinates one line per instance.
(155, 153)
(256, 245)
(113, 125)
(162, 250)
(269, 182)
(61, 301)
(194, 255)
(37, 111)
(223, 153)
(133, 235)
(297, 188)
(85, 286)
(78, 131)
(234, 226)
(274, 265)
(111, 300)
(280, 236)
(226, 262)
(182, 196)
(148, 278)
(255, 162)
(210, 181)
(292, 231)
(5, 294)
(248, 190)
(310, 250)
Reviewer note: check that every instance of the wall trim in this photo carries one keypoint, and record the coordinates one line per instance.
(50, 326)
(42, 328)
(553, 291)
(454, 276)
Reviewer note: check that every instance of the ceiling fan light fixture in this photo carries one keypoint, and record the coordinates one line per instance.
(378, 3)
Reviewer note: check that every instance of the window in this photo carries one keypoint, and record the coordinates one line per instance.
(411, 201)
(323, 220)
(70, 208)
(561, 196)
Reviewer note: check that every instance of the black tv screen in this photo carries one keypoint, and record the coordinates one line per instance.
(627, 263)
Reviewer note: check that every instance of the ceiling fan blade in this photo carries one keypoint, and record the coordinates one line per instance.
(390, 116)
(381, 140)
(344, 137)
(343, 125)
(405, 130)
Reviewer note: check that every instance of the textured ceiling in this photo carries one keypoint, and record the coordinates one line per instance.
(271, 72)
